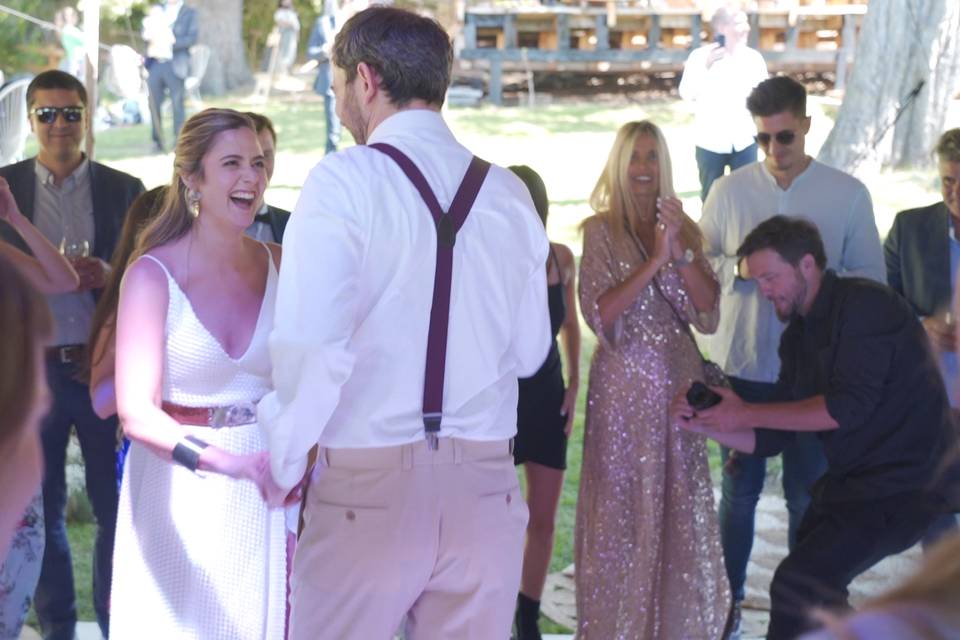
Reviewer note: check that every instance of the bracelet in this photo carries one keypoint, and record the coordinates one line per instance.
(187, 452)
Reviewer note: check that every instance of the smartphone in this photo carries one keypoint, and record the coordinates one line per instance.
(721, 40)
(701, 397)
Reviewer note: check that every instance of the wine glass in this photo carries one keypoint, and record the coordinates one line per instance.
(73, 249)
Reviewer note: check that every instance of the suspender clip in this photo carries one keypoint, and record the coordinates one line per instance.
(431, 427)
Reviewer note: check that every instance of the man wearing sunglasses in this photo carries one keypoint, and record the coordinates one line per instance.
(77, 204)
(786, 182)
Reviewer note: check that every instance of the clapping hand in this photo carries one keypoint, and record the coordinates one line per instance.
(662, 244)
(671, 215)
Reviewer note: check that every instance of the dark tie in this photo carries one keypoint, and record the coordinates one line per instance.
(262, 217)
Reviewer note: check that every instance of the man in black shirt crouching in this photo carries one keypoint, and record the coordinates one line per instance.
(856, 368)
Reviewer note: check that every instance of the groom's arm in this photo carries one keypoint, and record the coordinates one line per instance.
(314, 319)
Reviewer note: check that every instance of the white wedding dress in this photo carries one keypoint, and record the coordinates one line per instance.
(199, 556)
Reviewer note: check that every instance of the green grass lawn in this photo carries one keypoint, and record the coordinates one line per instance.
(566, 143)
(81, 535)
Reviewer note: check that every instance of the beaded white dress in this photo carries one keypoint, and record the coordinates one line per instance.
(199, 556)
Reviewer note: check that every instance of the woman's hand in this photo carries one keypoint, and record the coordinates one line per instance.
(662, 244)
(9, 211)
(671, 215)
(251, 466)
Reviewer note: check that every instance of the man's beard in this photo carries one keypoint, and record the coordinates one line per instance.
(798, 300)
(353, 119)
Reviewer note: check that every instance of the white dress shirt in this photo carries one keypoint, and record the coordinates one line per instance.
(746, 344)
(261, 231)
(157, 30)
(356, 286)
(722, 123)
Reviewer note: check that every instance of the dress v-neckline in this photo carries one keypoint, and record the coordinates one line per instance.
(256, 328)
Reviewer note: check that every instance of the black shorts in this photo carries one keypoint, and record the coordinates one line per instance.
(540, 437)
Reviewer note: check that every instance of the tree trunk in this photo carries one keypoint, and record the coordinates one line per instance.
(902, 43)
(221, 29)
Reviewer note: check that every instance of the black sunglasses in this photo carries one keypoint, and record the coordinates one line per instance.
(47, 115)
(784, 137)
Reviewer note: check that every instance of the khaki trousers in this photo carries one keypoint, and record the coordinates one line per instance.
(394, 537)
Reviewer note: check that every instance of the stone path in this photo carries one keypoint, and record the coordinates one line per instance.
(769, 548)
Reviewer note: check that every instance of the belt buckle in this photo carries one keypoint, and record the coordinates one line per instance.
(232, 415)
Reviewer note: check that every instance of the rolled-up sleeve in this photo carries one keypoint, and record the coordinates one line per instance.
(596, 278)
(314, 319)
(676, 293)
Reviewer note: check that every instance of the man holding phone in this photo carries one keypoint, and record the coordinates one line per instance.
(718, 77)
(787, 182)
(857, 375)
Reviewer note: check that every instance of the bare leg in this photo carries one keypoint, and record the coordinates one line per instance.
(544, 486)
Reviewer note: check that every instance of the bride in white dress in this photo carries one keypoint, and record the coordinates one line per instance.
(198, 554)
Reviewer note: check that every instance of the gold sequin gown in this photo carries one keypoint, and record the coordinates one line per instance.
(647, 548)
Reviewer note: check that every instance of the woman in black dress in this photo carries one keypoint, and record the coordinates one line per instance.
(545, 413)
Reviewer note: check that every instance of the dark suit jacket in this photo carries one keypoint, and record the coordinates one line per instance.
(185, 30)
(278, 221)
(112, 192)
(917, 252)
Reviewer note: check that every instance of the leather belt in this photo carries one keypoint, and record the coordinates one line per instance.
(67, 353)
(232, 415)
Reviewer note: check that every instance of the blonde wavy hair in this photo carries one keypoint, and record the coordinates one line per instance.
(612, 199)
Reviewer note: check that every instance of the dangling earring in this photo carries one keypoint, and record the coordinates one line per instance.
(193, 202)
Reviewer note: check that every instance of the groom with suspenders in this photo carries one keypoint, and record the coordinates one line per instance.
(412, 296)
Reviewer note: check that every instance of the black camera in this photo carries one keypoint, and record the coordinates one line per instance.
(701, 397)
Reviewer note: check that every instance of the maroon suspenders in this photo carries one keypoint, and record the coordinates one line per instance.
(447, 225)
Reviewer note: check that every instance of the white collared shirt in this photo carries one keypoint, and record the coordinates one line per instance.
(746, 343)
(721, 122)
(356, 286)
(261, 231)
(158, 30)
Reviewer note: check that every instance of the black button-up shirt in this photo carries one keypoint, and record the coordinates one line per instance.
(863, 349)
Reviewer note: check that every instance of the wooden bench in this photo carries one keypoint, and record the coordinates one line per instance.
(609, 38)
